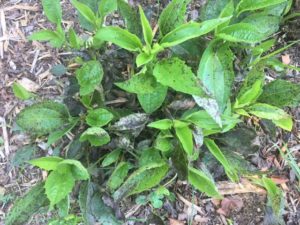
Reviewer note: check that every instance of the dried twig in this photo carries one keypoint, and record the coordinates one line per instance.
(5, 135)
(189, 204)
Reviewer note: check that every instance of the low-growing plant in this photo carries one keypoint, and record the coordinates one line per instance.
(184, 75)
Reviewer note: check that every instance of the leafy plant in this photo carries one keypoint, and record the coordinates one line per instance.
(132, 150)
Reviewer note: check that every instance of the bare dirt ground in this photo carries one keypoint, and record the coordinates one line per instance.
(30, 63)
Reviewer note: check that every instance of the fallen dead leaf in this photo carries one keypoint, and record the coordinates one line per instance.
(29, 84)
(245, 186)
(286, 59)
(175, 222)
(230, 204)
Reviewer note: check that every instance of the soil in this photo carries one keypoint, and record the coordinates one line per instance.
(30, 64)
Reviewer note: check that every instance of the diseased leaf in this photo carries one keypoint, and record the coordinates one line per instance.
(111, 157)
(281, 93)
(203, 183)
(142, 179)
(118, 176)
(251, 5)
(131, 122)
(52, 10)
(189, 31)
(58, 186)
(96, 136)
(89, 76)
(216, 72)
(212, 9)
(176, 74)
(242, 32)
(150, 102)
(43, 118)
(98, 117)
(20, 92)
(147, 30)
(131, 16)
(214, 149)
(47, 163)
(93, 208)
(24, 208)
(172, 16)
(164, 124)
(120, 37)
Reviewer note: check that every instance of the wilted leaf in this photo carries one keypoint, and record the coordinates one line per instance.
(25, 207)
(142, 179)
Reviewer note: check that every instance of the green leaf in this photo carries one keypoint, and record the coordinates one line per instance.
(203, 183)
(52, 10)
(149, 156)
(176, 74)
(185, 136)
(63, 207)
(58, 186)
(163, 142)
(190, 30)
(94, 210)
(20, 92)
(118, 176)
(164, 124)
(150, 102)
(180, 162)
(281, 93)
(58, 70)
(111, 158)
(147, 30)
(275, 201)
(56, 135)
(143, 83)
(131, 17)
(216, 72)
(172, 16)
(79, 172)
(107, 6)
(85, 11)
(251, 88)
(23, 155)
(212, 9)
(266, 24)
(228, 10)
(277, 115)
(96, 136)
(56, 40)
(251, 5)
(229, 169)
(144, 58)
(263, 47)
(98, 117)
(120, 37)
(24, 208)
(89, 76)
(141, 180)
(46, 163)
(74, 40)
(242, 32)
(43, 118)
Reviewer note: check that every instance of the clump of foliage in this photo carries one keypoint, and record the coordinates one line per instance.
(184, 77)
